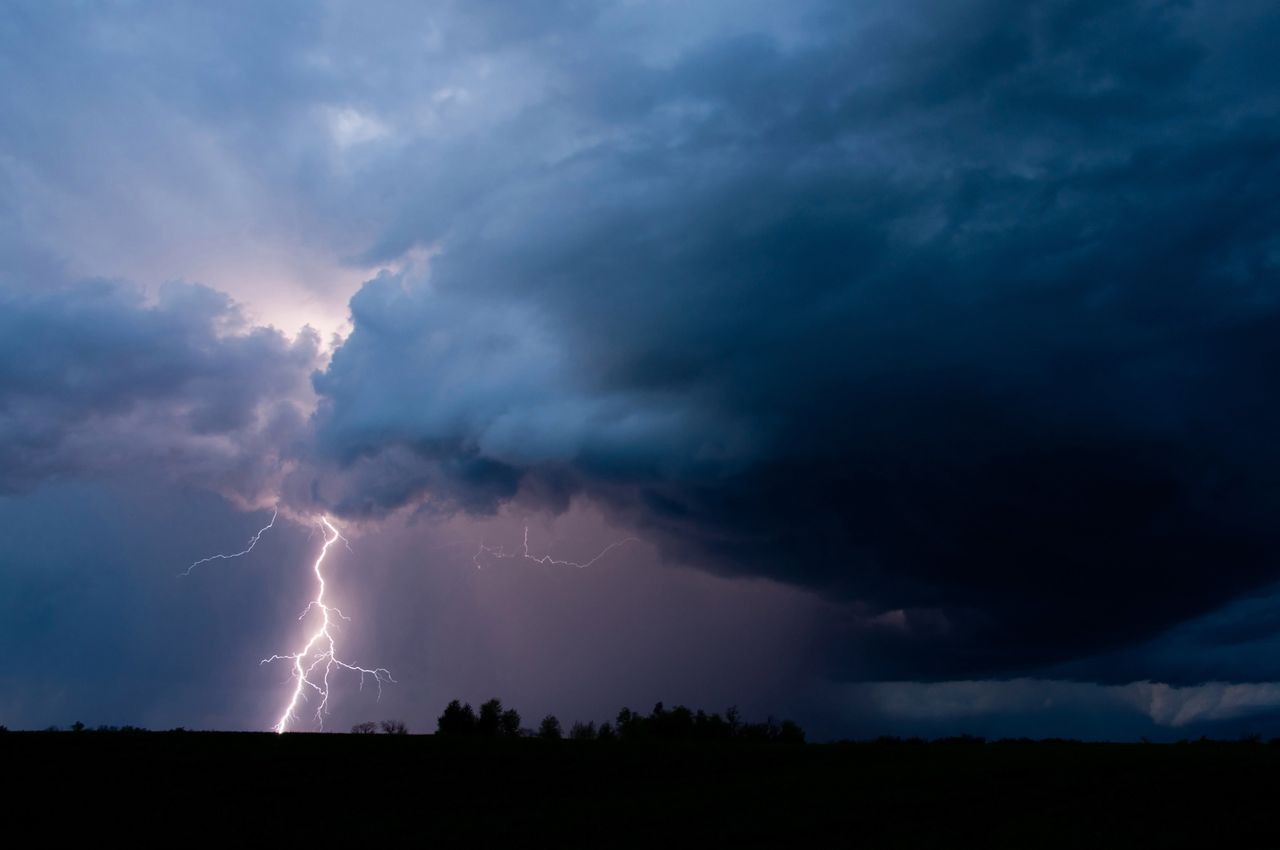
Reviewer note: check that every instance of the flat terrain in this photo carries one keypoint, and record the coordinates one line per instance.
(243, 787)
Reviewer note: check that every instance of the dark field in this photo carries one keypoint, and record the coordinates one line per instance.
(1006, 794)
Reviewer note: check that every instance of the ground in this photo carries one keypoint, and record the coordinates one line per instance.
(315, 788)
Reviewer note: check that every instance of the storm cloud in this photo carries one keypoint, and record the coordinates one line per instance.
(963, 316)
(96, 379)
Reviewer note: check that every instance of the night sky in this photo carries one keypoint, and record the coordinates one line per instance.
(929, 350)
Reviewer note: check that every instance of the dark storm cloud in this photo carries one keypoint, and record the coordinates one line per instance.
(96, 379)
(963, 316)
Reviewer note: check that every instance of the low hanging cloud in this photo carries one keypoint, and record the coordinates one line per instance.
(1164, 705)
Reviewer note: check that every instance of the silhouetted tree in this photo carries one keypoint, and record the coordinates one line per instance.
(509, 723)
(549, 728)
(606, 732)
(490, 718)
(711, 727)
(395, 727)
(458, 720)
(366, 728)
(676, 724)
(759, 732)
(790, 733)
(580, 731)
(77, 726)
(631, 726)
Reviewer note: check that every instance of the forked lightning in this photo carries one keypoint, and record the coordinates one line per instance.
(314, 663)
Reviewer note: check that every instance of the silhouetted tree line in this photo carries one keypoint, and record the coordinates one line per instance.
(81, 727)
(661, 724)
(493, 721)
(460, 720)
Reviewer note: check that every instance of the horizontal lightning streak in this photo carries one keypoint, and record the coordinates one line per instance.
(253, 541)
(500, 552)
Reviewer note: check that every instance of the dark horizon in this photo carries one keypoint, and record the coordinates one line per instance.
(709, 727)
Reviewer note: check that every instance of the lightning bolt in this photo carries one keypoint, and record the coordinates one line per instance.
(500, 552)
(315, 662)
(313, 665)
(253, 541)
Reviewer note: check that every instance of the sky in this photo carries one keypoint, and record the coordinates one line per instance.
(919, 357)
